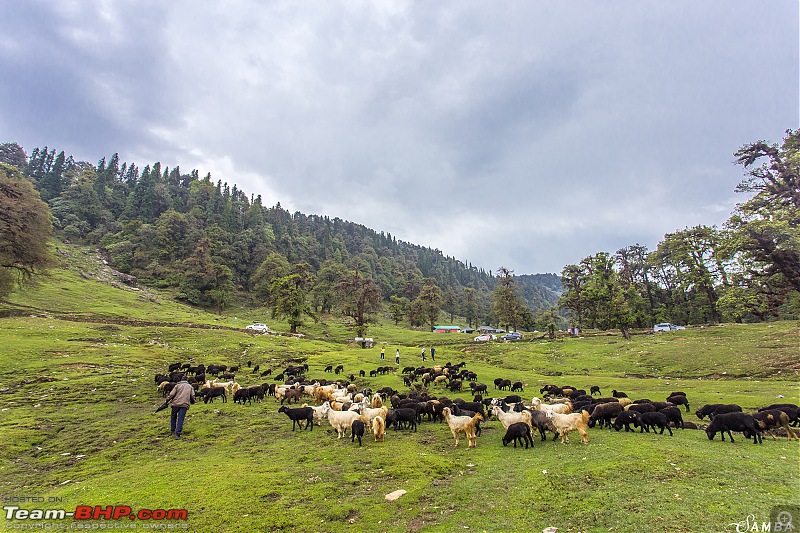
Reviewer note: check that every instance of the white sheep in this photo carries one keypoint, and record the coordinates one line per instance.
(560, 408)
(511, 417)
(341, 421)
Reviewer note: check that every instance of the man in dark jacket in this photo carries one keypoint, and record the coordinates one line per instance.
(181, 397)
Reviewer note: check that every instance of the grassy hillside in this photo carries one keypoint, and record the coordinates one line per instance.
(77, 424)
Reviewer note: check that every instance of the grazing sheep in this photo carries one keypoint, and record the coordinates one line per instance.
(463, 424)
(405, 417)
(774, 418)
(706, 410)
(241, 395)
(567, 423)
(297, 414)
(674, 416)
(214, 392)
(604, 413)
(518, 431)
(734, 421)
(618, 394)
(593, 389)
(517, 387)
(653, 420)
(542, 422)
(679, 399)
(626, 418)
(641, 407)
(357, 431)
(724, 409)
(378, 428)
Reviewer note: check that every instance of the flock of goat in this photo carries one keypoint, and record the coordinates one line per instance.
(564, 409)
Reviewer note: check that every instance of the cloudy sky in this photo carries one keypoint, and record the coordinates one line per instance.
(520, 134)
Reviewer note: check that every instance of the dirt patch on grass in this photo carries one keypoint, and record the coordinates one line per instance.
(416, 524)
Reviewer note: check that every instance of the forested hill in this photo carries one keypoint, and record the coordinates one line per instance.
(212, 242)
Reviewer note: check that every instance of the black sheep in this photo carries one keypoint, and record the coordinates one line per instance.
(642, 407)
(654, 420)
(214, 392)
(519, 431)
(706, 410)
(405, 417)
(674, 416)
(593, 389)
(724, 409)
(626, 418)
(734, 422)
(679, 399)
(357, 431)
(299, 413)
(517, 387)
(604, 413)
(618, 394)
(543, 423)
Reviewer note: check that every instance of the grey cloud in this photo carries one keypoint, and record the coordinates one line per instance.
(526, 135)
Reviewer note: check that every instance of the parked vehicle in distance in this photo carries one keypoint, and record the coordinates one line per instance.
(512, 336)
(666, 326)
(485, 337)
(257, 327)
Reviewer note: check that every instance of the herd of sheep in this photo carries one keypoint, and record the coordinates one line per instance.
(560, 411)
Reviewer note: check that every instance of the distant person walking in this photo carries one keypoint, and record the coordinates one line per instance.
(433, 353)
(383, 352)
(181, 396)
(423, 354)
(397, 357)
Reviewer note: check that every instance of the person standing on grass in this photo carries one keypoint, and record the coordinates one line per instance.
(423, 354)
(383, 351)
(181, 397)
(397, 357)
(433, 353)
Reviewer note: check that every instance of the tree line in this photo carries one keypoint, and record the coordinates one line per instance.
(747, 270)
(211, 244)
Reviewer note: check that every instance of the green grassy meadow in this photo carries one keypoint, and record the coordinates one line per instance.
(77, 423)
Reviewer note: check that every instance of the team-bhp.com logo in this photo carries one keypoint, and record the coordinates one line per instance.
(96, 512)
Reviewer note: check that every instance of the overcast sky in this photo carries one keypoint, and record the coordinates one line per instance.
(520, 134)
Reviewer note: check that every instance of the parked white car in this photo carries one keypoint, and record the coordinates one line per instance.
(257, 328)
(666, 327)
(485, 337)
